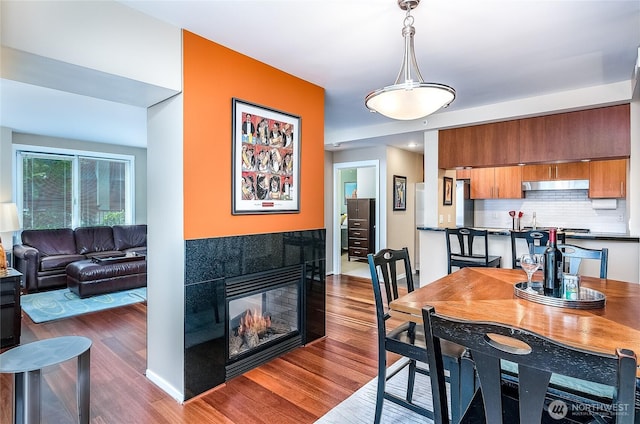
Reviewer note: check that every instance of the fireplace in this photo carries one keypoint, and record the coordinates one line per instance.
(274, 280)
(264, 311)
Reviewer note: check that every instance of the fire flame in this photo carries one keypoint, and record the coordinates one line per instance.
(253, 320)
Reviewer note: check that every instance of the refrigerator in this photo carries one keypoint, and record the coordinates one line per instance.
(464, 204)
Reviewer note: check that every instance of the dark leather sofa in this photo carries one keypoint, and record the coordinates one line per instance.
(43, 256)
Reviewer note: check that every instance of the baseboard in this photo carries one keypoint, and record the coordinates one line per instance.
(162, 383)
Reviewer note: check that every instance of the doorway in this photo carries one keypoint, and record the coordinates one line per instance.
(364, 178)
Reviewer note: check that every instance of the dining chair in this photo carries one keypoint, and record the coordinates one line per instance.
(469, 247)
(572, 257)
(536, 358)
(533, 239)
(407, 338)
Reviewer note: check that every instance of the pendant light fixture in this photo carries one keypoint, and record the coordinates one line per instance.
(407, 98)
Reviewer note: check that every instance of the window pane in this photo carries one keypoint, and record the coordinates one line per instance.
(47, 192)
(102, 192)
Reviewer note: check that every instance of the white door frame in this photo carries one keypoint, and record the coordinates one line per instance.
(381, 228)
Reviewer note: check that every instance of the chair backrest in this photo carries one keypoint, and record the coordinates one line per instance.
(533, 238)
(537, 357)
(573, 256)
(576, 254)
(385, 264)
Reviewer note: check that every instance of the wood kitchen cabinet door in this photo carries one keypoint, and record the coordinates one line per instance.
(479, 145)
(482, 183)
(608, 179)
(504, 182)
(508, 181)
(573, 136)
(556, 171)
(572, 171)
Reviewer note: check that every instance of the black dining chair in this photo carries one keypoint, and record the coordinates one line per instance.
(527, 397)
(533, 239)
(469, 247)
(572, 257)
(407, 338)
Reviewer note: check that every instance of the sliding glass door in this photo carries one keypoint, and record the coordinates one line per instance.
(68, 191)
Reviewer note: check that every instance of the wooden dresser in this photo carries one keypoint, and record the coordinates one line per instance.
(361, 220)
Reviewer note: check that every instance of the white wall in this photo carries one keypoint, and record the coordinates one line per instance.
(165, 241)
(366, 179)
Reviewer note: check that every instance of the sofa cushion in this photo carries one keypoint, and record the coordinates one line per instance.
(48, 263)
(94, 239)
(128, 236)
(51, 242)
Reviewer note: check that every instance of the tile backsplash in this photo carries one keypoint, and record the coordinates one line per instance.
(558, 208)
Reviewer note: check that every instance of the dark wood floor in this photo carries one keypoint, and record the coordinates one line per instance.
(299, 387)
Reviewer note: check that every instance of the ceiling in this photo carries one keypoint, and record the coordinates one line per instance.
(490, 51)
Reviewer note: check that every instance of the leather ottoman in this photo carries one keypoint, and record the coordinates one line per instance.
(98, 276)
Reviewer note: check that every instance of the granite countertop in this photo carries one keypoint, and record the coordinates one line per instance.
(569, 235)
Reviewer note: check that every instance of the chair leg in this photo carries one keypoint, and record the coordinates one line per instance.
(382, 379)
(411, 380)
(454, 387)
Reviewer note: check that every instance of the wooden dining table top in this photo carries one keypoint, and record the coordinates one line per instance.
(487, 294)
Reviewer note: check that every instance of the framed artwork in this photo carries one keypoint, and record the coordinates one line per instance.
(399, 193)
(350, 191)
(447, 191)
(265, 160)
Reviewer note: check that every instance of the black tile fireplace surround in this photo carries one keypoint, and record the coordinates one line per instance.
(216, 267)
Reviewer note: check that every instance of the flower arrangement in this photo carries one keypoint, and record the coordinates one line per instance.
(516, 219)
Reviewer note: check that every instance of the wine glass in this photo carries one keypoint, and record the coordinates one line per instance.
(530, 263)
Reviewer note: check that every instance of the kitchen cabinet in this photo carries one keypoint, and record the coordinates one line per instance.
(463, 174)
(361, 219)
(556, 171)
(503, 182)
(479, 145)
(600, 133)
(608, 179)
(573, 136)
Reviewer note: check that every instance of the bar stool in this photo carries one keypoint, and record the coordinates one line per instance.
(25, 363)
(470, 247)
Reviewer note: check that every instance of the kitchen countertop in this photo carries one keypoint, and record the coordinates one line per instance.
(582, 236)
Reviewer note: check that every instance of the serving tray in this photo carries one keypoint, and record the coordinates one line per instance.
(589, 298)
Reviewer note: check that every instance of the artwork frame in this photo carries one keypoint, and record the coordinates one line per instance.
(447, 191)
(399, 193)
(265, 160)
(349, 188)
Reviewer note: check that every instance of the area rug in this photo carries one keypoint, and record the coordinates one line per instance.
(360, 407)
(58, 304)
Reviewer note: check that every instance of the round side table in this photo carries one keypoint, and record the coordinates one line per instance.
(25, 363)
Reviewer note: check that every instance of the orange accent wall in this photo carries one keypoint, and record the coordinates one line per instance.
(213, 75)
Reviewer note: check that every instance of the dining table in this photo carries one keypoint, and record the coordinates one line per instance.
(487, 294)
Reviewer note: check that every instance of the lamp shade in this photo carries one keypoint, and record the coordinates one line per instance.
(9, 217)
(408, 101)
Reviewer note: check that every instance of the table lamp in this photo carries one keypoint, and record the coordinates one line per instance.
(9, 222)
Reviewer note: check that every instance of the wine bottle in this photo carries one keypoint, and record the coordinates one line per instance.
(552, 267)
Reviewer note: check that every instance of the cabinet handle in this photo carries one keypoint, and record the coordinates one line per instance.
(556, 172)
(621, 188)
(498, 192)
(549, 171)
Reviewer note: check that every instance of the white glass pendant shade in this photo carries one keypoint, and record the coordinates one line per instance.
(410, 101)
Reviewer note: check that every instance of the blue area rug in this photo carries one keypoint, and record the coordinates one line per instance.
(360, 407)
(58, 304)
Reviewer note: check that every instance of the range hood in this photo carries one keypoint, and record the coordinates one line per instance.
(555, 185)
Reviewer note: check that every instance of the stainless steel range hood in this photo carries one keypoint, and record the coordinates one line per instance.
(555, 185)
